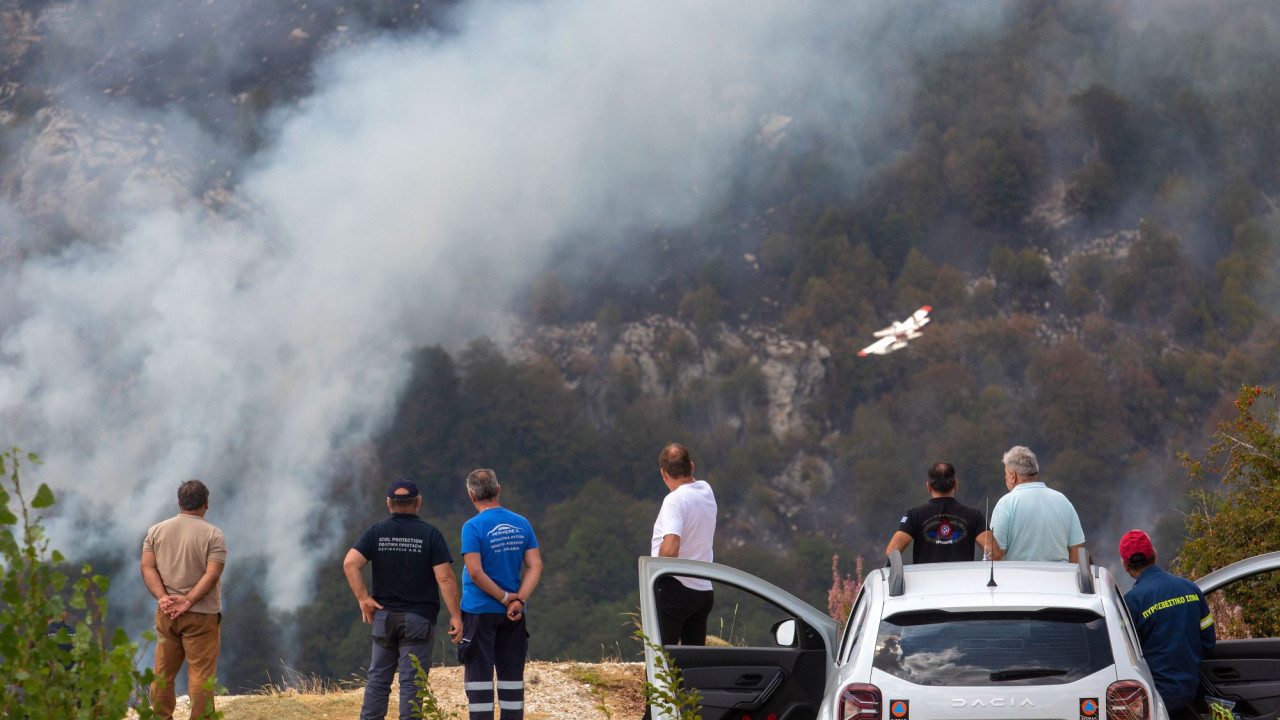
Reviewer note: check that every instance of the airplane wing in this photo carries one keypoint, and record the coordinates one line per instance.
(919, 318)
(879, 347)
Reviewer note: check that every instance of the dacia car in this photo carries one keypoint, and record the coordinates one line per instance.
(962, 641)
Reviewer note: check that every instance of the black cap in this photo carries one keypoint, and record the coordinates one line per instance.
(404, 483)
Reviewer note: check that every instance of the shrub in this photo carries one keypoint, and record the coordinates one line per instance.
(1239, 519)
(86, 675)
(427, 707)
(669, 694)
(844, 590)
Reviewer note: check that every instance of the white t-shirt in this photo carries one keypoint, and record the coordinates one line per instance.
(689, 511)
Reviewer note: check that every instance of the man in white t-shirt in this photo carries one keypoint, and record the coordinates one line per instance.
(685, 528)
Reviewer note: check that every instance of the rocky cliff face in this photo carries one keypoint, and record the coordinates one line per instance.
(667, 357)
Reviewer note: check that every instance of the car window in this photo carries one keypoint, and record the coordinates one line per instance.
(1034, 647)
(853, 629)
(742, 619)
(1245, 607)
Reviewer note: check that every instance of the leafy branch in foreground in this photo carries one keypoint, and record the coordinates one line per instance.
(51, 673)
(427, 707)
(668, 694)
(1240, 517)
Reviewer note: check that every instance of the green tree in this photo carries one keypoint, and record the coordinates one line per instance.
(334, 641)
(43, 679)
(1025, 272)
(1076, 409)
(1108, 119)
(1240, 517)
(548, 298)
(703, 306)
(1093, 190)
(993, 184)
(777, 254)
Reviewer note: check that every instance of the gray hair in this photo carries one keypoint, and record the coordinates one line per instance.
(1022, 461)
(483, 484)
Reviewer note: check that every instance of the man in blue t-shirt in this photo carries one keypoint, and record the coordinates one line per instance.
(411, 572)
(1173, 623)
(496, 545)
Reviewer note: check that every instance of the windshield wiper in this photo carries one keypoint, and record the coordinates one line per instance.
(1023, 673)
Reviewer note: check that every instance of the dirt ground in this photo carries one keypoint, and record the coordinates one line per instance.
(553, 691)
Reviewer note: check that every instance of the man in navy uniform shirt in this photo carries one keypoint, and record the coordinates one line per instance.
(943, 529)
(411, 572)
(1173, 622)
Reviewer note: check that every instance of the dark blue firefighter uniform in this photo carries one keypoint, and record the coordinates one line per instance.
(1176, 630)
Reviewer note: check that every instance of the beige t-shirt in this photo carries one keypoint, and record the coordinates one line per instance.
(184, 545)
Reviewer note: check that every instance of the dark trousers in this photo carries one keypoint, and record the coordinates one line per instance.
(492, 641)
(396, 637)
(682, 612)
(682, 615)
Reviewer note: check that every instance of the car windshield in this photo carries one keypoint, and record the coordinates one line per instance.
(1033, 647)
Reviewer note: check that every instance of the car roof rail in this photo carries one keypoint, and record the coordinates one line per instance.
(1084, 572)
(896, 586)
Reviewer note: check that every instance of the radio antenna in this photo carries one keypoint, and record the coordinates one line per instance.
(991, 538)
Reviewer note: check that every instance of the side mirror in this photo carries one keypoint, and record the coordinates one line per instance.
(784, 632)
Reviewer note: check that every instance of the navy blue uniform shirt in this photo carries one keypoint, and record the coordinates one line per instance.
(404, 551)
(1176, 630)
(943, 530)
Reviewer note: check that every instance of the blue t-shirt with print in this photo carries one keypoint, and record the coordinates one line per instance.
(501, 537)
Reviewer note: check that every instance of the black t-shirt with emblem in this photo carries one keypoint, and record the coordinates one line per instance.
(404, 550)
(943, 530)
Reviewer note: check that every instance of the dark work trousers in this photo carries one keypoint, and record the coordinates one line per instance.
(396, 637)
(492, 641)
(682, 615)
(682, 612)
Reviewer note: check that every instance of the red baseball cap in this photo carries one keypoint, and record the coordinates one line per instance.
(1133, 544)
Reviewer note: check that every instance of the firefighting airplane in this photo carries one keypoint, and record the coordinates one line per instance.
(895, 336)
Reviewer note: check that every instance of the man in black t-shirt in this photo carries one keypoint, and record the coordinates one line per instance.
(941, 530)
(411, 573)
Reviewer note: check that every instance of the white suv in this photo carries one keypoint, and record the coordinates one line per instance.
(969, 641)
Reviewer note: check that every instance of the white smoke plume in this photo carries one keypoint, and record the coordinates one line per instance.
(404, 203)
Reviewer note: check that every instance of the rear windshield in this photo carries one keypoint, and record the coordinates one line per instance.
(1040, 647)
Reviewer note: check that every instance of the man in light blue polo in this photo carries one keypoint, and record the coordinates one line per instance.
(1033, 522)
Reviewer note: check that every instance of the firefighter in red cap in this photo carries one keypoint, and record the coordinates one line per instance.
(1173, 622)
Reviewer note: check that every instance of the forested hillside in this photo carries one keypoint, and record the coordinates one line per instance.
(1083, 198)
(1082, 191)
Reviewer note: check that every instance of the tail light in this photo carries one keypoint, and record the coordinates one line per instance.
(1127, 700)
(860, 702)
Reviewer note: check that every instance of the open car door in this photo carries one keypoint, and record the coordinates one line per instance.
(774, 663)
(1246, 671)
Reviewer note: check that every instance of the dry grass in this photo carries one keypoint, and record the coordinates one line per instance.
(553, 691)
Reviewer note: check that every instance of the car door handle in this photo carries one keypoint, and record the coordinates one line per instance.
(749, 680)
(1226, 674)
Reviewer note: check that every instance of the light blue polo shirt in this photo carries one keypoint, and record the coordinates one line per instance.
(1035, 522)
